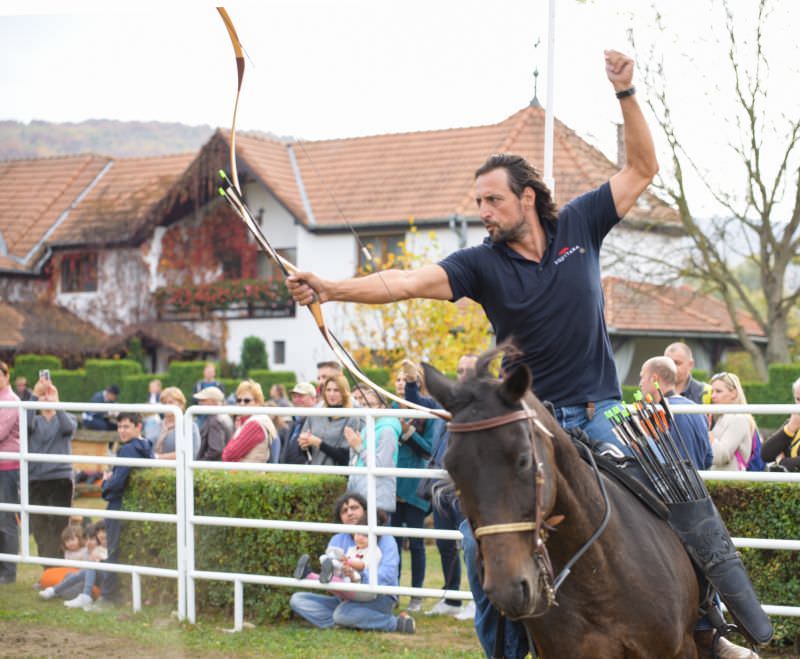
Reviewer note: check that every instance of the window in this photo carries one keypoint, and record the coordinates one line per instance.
(267, 268)
(382, 247)
(279, 352)
(79, 272)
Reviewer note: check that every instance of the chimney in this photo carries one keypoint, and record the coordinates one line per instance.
(620, 145)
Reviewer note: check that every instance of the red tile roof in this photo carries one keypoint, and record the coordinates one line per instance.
(427, 175)
(636, 307)
(172, 335)
(121, 200)
(34, 195)
(77, 199)
(40, 327)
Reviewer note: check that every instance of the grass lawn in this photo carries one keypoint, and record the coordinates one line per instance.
(34, 627)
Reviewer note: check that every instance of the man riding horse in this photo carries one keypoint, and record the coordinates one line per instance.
(537, 276)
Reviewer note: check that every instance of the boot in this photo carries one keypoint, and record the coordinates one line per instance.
(711, 549)
(724, 649)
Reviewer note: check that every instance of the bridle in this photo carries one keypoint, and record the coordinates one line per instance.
(549, 584)
(540, 554)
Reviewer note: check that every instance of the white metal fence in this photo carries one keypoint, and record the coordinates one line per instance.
(185, 519)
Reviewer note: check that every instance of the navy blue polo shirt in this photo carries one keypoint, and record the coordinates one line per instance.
(552, 310)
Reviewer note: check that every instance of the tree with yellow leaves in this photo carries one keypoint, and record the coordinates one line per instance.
(422, 330)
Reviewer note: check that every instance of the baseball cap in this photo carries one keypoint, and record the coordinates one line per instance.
(304, 389)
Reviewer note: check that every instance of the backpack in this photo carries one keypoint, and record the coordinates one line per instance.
(756, 463)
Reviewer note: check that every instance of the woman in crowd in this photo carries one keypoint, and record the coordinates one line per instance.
(252, 440)
(387, 436)
(322, 437)
(783, 446)
(325, 611)
(731, 434)
(165, 444)
(50, 483)
(416, 448)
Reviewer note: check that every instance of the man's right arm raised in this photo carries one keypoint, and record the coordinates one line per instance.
(429, 281)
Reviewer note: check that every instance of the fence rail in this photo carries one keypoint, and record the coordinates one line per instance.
(185, 518)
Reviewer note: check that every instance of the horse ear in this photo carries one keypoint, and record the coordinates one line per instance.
(516, 385)
(441, 387)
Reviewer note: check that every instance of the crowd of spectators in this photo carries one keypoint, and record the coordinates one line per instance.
(717, 441)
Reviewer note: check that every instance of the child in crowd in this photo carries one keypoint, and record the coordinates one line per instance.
(97, 551)
(73, 543)
(336, 565)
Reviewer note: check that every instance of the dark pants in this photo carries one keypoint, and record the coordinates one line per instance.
(110, 586)
(47, 529)
(414, 518)
(448, 519)
(9, 531)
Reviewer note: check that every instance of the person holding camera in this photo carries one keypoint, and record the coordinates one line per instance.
(49, 483)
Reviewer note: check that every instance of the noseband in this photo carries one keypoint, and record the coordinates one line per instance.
(540, 554)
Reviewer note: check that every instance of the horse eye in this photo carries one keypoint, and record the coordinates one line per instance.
(525, 461)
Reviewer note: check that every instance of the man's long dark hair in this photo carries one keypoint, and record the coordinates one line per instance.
(521, 175)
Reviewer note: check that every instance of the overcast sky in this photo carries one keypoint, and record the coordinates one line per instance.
(358, 67)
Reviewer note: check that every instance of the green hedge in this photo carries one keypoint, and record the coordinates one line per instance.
(255, 551)
(777, 390)
(267, 378)
(29, 366)
(102, 373)
(71, 385)
(766, 510)
(183, 375)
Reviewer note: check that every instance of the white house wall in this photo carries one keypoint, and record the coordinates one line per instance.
(121, 297)
(278, 224)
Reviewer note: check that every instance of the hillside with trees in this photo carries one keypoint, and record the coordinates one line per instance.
(42, 139)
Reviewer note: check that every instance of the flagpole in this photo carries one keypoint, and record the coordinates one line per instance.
(548, 113)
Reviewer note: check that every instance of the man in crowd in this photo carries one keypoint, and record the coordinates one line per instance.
(657, 378)
(115, 482)
(21, 387)
(303, 395)
(101, 420)
(696, 391)
(218, 428)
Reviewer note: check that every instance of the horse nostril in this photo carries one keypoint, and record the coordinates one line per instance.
(525, 591)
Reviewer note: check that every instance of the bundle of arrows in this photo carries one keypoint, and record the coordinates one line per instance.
(649, 431)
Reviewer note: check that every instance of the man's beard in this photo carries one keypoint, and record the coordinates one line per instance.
(511, 234)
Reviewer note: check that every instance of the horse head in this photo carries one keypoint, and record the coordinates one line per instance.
(500, 457)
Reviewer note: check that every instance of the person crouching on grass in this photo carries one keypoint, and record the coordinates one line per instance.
(325, 611)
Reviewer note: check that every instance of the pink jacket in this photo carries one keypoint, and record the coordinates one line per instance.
(9, 429)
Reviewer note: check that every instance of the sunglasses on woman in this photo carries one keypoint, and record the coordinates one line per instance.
(244, 401)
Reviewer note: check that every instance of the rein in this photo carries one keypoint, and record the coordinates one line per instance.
(550, 583)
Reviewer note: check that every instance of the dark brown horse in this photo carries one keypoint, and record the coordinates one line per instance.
(633, 593)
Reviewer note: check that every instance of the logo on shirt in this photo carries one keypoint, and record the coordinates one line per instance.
(565, 252)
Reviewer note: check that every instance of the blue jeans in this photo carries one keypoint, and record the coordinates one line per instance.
(325, 611)
(9, 532)
(82, 578)
(448, 519)
(414, 518)
(516, 645)
(598, 428)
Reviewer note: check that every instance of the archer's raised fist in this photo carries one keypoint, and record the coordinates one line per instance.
(306, 287)
(619, 69)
